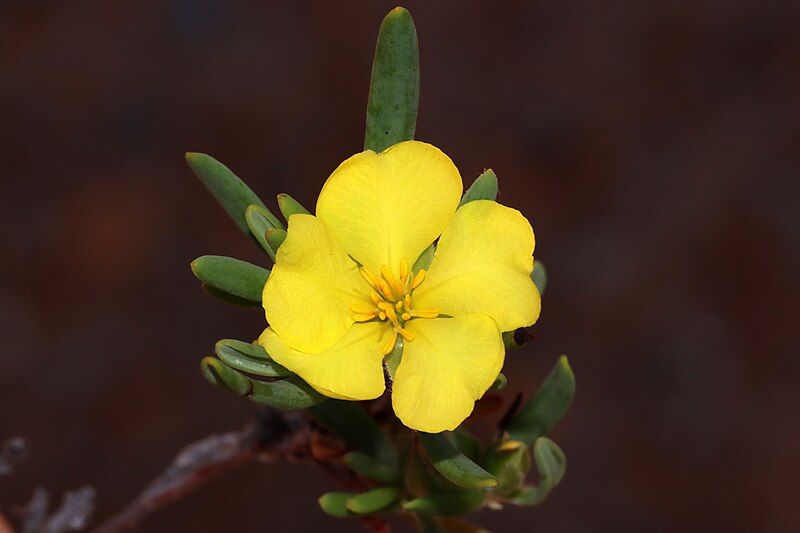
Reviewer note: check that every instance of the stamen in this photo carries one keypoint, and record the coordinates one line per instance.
(363, 317)
(407, 335)
(419, 278)
(382, 315)
(399, 305)
(385, 289)
(391, 315)
(406, 316)
(403, 269)
(384, 305)
(368, 277)
(389, 346)
(407, 301)
(425, 313)
(375, 297)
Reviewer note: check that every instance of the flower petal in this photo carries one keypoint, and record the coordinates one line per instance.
(308, 295)
(483, 264)
(351, 369)
(450, 363)
(389, 206)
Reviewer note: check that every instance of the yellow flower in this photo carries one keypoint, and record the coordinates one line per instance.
(333, 321)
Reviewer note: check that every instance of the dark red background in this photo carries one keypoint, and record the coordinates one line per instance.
(654, 146)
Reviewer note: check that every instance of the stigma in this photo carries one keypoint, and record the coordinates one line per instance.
(391, 298)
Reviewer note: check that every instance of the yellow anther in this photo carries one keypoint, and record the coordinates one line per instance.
(362, 309)
(425, 313)
(368, 277)
(391, 315)
(375, 297)
(399, 305)
(407, 301)
(386, 289)
(407, 335)
(510, 446)
(384, 306)
(363, 317)
(419, 278)
(406, 316)
(382, 315)
(403, 269)
(389, 346)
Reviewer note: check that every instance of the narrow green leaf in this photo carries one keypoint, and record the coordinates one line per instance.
(499, 383)
(394, 87)
(227, 188)
(335, 503)
(232, 276)
(250, 358)
(539, 276)
(357, 428)
(453, 465)
(466, 443)
(228, 298)
(551, 464)
(483, 188)
(546, 407)
(367, 466)
(510, 462)
(288, 394)
(289, 206)
(424, 260)
(454, 504)
(258, 222)
(373, 501)
(224, 377)
(275, 238)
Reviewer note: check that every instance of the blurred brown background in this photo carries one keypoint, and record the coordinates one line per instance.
(654, 145)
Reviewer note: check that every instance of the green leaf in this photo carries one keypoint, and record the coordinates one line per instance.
(453, 465)
(510, 462)
(499, 383)
(227, 188)
(424, 260)
(394, 87)
(551, 464)
(335, 503)
(483, 188)
(357, 428)
(224, 377)
(373, 501)
(393, 358)
(466, 443)
(228, 298)
(258, 221)
(287, 394)
(232, 276)
(546, 407)
(369, 467)
(250, 358)
(275, 238)
(289, 206)
(539, 276)
(454, 504)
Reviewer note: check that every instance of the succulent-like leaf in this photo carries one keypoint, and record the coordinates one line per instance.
(227, 188)
(454, 504)
(371, 468)
(335, 503)
(275, 238)
(546, 407)
(224, 377)
(483, 188)
(499, 383)
(551, 464)
(228, 298)
(454, 465)
(373, 501)
(394, 86)
(289, 394)
(250, 358)
(539, 276)
(232, 276)
(510, 462)
(258, 221)
(289, 206)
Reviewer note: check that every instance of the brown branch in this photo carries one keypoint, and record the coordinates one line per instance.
(275, 435)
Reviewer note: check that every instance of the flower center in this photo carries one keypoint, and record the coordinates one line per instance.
(392, 301)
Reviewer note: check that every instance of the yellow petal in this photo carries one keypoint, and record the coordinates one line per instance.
(389, 206)
(483, 264)
(450, 363)
(351, 369)
(308, 295)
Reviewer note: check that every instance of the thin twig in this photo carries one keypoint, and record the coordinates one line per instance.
(276, 435)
